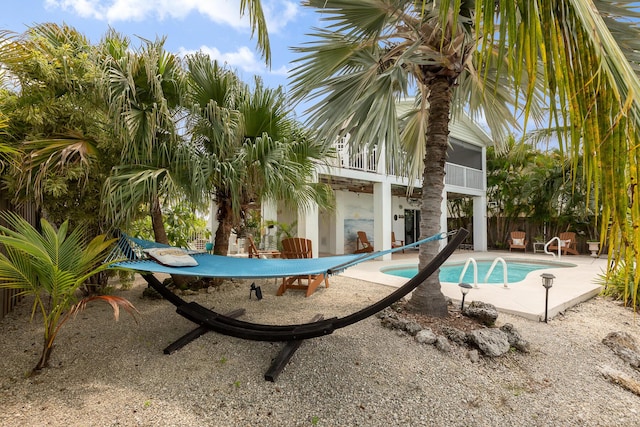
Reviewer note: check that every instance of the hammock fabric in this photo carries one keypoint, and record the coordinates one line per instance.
(241, 268)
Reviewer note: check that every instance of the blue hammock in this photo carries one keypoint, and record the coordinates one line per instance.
(209, 320)
(130, 251)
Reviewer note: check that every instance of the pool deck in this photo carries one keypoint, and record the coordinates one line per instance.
(526, 298)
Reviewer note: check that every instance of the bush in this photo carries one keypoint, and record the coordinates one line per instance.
(619, 284)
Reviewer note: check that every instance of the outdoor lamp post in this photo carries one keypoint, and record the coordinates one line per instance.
(547, 282)
(464, 288)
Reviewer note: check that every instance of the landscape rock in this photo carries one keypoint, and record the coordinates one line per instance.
(624, 345)
(443, 344)
(515, 339)
(454, 334)
(392, 322)
(484, 312)
(412, 328)
(491, 342)
(474, 356)
(426, 336)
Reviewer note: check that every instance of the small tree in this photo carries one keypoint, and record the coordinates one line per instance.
(51, 266)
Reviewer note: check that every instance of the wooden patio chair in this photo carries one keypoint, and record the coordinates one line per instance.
(568, 243)
(294, 248)
(396, 243)
(362, 243)
(518, 240)
(255, 253)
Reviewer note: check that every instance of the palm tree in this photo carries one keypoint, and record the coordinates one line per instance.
(371, 54)
(144, 89)
(374, 51)
(51, 266)
(252, 149)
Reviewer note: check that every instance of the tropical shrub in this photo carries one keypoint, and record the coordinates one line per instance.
(51, 266)
(619, 283)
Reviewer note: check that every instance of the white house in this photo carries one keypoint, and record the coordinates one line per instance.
(370, 199)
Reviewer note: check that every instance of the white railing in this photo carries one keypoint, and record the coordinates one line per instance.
(546, 246)
(475, 271)
(463, 176)
(365, 160)
(504, 271)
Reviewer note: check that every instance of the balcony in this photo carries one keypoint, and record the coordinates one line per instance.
(365, 161)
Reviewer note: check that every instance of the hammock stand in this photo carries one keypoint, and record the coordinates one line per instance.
(209, 320)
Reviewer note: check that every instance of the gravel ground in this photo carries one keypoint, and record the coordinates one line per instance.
(106, 373)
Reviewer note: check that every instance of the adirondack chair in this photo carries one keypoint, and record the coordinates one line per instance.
(568, 243)
(362, 243)
(298, 247)
(255, 253)
(518, 240)
(396, 243)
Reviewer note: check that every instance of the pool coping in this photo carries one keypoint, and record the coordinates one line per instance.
(525, 298)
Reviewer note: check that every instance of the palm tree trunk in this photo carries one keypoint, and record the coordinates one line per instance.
(428, 297)
(159, 233)
(225, 224)
(46, 350)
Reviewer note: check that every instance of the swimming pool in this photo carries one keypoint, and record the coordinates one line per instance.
(517, 270)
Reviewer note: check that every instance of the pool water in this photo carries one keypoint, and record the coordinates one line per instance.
(516, 271)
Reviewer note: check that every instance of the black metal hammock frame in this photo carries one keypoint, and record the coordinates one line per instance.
(293, 335)
(230, 326)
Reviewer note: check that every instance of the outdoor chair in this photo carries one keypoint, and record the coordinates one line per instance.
(362, 243)
(518, 240)
(255, 253)
(396, 243)
(296, 248)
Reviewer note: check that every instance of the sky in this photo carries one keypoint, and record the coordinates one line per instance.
(211, 26)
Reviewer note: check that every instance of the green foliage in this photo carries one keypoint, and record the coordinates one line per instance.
(283, 230)
(620, 283)
(181, 224)
(543, 187)
(56, 118)
(252, 149)
(51, 266)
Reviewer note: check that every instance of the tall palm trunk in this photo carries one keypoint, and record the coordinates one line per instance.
(428, 298)
(225, 224)
(159, 233)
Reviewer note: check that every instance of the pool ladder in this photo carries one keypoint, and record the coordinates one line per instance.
(546, 247)
(475, 271)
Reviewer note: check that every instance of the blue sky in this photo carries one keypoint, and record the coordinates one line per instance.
(212, 26)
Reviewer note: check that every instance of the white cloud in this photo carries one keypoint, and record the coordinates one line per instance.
(84, 8)
(278, 13)
(243, 59)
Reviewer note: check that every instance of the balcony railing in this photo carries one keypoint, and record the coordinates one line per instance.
(463, 176)
(365, 160)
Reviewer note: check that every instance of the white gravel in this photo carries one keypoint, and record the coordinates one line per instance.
(106, 373)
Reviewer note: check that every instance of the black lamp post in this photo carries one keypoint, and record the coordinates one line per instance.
(464, 288)
(547, 282)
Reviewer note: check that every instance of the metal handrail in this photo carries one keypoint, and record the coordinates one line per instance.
(504, 270)
(475, 271)
(549, 243)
